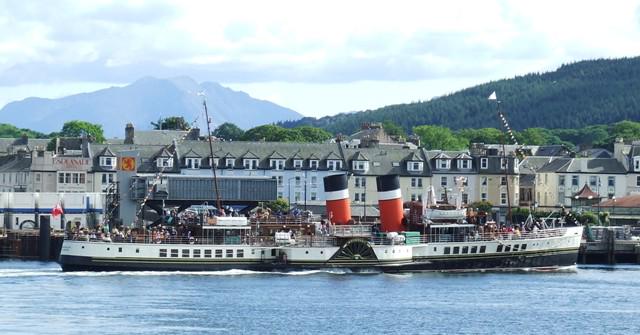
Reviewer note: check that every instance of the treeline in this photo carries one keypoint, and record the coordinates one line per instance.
(574, 96)
(598, 136)
(272, 133)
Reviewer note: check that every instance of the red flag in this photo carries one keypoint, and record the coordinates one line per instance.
(57, 210)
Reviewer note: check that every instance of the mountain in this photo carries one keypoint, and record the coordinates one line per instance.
(143, 102)
(576, 95)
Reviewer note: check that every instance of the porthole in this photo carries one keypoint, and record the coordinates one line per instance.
(83, 247)
(108, 249)
(321, 252)
(306, 252)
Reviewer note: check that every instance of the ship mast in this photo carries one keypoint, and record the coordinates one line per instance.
(508, 131)
(213, 164)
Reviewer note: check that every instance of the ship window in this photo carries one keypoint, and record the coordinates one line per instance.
(435, 248)
(253, 251)
(273, 252)
(174, 252)
(456, 250)
(137, 250)
(474, 249)
(120, 249)
(218, 253)
(163, 252)
(229, 252)
(196, 253)
(515, 247)
(207, 253)
(185, 252)
(524, 247)
(483, 248)
(447, 250)
(240, 253)
(499, 249)
(507, 248)
(465, 250)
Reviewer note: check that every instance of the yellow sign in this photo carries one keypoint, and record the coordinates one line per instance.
(128, 163)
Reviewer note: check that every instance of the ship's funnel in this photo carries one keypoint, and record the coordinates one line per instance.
(337, 194)
(390, 203)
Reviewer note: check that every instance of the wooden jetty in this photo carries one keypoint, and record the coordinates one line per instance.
(611, 246)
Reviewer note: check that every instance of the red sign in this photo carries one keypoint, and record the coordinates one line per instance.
(128, 163)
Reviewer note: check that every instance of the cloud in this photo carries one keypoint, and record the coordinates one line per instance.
(324, 42)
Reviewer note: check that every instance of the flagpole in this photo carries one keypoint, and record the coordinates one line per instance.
(508, 131)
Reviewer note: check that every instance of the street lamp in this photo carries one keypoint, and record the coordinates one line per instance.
(289, 183)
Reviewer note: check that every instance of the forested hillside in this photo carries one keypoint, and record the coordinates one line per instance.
(574, 96)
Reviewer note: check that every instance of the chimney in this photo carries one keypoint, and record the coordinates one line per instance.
(194, 134)
(129, 134)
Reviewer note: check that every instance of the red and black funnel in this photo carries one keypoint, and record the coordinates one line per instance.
(336, 189)
(390, 203)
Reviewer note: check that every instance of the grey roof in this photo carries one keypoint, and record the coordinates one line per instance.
(383, 161)
(154, 137)
(359, 156)
(414, 157)
(15, 163)
(584, 165)
(276, 155)
(250, 154)
(532, 164)
(635, 150)
(13, 145)
(596, 153)
(555, 150)
(190, 153)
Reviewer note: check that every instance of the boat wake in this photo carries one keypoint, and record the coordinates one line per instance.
(57, 272)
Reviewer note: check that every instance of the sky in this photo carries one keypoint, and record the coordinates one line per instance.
(316, 57)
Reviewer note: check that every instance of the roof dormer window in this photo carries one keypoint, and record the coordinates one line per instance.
(164, 162)
(192, 162)
(276, 164)
(250, 163)
(108, 162)
(297, 163)
(314, 163)
(464, 164)
(636, 163)
(230, 162)
(443, 164)
(334, 164)
(415, 166)
(360, 165)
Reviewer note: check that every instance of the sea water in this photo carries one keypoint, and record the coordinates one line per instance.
(38, 298)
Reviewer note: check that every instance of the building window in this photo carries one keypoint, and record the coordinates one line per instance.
(443, 164)
(484, 163)
(483, 196)
(314, 181)
(503, 198)
(107, 178)
(230, 162)
(297, 163)
(416, 182)
(414, 166)
(164, 162)
(443, 181)
(638, 181)
(611, 181)
(314, 196)
(250, 164)
(298, 179)
(108, 162)
(574, 180)
(561, 180)
(464, 164)
(361, 182)
(593, 181)
(360, 165)
(503, 163)
(215, 162)
(465, 198)
(277, 164)
(636, 163)
(37, 177)
(334, 165)
(313, 164)
(72, 178)
(193, 163)
(483, 181)
(503, 180)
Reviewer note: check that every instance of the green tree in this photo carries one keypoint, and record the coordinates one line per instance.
(628, 130)
(10, 131)
(393, 129)
(279, 204)
(229, 132)
(171, 123)
(439, 138)
(483, 206)
(313, 134)
(76, 128)
(482, 135)
(272, 133)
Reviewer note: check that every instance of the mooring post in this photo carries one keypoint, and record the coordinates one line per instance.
(44, 240)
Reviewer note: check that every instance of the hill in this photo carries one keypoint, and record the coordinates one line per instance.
(143, 102)
(576, 95)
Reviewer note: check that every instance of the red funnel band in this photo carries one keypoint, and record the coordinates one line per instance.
(339, 211)
(391, 215)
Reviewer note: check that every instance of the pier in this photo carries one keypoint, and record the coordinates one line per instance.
(611, 246)
(29, 245)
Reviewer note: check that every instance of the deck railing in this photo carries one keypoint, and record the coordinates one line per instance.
(331, 240)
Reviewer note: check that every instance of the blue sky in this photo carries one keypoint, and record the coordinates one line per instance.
(316, 57)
